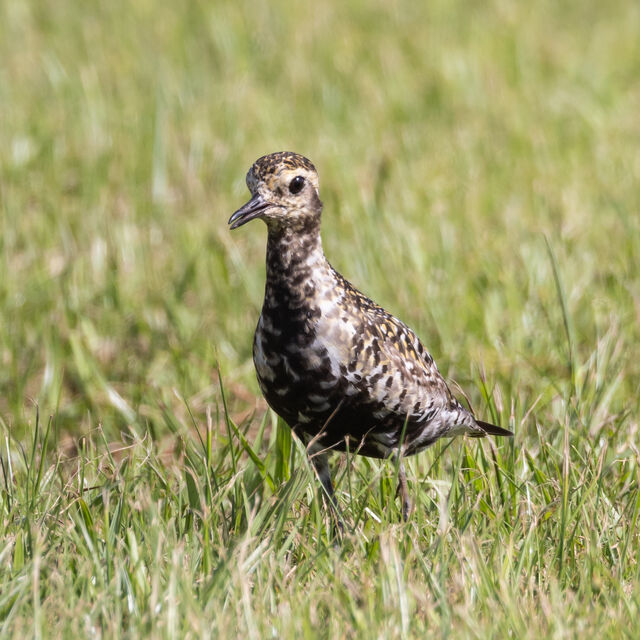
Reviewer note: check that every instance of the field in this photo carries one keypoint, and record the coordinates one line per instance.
(480, 170)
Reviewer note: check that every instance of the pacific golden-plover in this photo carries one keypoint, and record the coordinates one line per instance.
(341, 371)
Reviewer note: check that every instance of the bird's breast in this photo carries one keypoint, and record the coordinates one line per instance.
(295, 368)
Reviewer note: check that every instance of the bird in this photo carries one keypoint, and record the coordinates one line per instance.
(342, 372)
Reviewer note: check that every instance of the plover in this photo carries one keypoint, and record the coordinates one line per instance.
(339, 369)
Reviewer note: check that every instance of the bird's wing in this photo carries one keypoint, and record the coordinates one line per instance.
(390, 364)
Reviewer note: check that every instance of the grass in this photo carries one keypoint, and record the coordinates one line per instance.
(479, 168)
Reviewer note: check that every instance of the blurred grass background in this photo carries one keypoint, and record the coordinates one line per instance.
(479, 165)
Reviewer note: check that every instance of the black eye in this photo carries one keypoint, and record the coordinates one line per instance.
(295, 186)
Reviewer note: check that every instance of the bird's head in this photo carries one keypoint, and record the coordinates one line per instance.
(284, 193)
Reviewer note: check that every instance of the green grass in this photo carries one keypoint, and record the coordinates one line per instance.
(480, 171)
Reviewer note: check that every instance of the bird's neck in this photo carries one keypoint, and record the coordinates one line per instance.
(295, 260)
(291, 254)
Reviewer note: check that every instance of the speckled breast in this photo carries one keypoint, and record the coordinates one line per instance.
(294, 372)
(297, 377)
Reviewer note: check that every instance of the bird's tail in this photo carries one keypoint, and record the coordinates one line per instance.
(494, 430)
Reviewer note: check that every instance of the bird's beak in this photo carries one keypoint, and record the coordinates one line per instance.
(249, 211)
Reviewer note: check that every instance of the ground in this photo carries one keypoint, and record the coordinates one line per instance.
(479, 167)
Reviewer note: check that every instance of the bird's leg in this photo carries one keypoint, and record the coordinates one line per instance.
(402, 489)
(320, 462)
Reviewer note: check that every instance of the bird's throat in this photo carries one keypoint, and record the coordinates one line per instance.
(295, 261)
(293, 254)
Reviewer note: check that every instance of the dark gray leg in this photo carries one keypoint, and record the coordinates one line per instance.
(320, 462)
(403, 491)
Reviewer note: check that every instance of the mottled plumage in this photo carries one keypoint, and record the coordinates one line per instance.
(338, 368)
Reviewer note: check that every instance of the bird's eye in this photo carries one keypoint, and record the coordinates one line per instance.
(295, 186)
